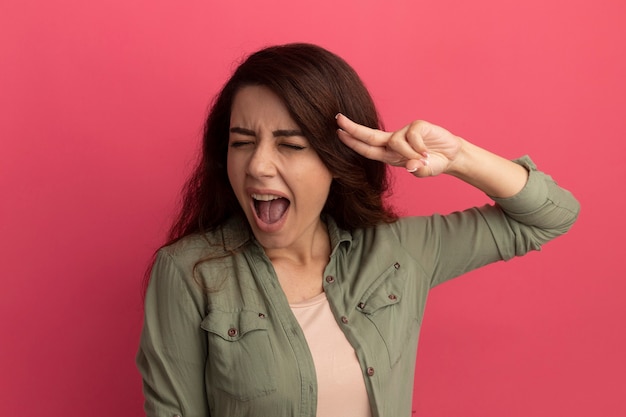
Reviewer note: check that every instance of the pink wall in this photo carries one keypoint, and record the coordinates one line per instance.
(101, 104)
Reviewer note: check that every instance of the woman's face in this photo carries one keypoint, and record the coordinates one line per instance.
(278, 178)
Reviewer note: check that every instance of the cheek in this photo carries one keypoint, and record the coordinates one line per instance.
(318, 184)
(234, 182)
(231, 170)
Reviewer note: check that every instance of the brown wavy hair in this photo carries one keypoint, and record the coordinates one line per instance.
(315, 85)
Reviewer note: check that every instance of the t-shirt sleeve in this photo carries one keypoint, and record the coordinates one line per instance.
(450, 245)
(172, 351)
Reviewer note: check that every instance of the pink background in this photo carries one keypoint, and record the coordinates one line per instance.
(101, 105)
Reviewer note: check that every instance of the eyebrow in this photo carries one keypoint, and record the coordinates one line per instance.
(275, 133)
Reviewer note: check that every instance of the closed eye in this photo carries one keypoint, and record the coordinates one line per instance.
(240, 143)
(293, 146)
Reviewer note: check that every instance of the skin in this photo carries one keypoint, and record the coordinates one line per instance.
(268, 155)
(428, 150)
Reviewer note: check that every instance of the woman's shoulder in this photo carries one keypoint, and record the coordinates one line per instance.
(401, 222)
(393, 233)
(222, 241)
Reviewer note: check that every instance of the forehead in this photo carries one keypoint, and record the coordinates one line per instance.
(259, 105)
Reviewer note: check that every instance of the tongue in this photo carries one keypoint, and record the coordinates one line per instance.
(271, 211)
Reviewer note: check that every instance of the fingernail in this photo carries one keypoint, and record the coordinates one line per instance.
(337, 116)
(411, 169)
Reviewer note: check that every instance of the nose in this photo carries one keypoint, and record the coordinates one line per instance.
(262, 161)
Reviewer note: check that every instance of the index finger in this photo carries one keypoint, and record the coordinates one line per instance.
(374, 137)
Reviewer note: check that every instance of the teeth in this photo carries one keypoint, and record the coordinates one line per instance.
(265, 197)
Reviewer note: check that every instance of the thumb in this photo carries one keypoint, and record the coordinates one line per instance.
(419, 167)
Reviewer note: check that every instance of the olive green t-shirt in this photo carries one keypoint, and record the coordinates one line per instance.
(219, 338)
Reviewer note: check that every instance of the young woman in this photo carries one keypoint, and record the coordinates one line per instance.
(288, 287)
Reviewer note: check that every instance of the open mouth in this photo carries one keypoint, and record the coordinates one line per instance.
(270, 208)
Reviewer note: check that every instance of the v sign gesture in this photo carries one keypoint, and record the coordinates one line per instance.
(427, 150)
(422, 148)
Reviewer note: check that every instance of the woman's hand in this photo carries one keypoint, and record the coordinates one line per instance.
(422, 148)
(427, 150)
